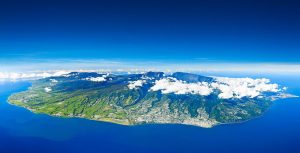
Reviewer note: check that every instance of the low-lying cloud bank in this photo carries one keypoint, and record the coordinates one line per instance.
(228, 87)
(13, 76)
(136, 84)
(191, 65)
(172, 85)
(31, 75)
(97, 79)
(243, 87)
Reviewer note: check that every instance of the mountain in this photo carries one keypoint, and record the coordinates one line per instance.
(152, 97)
(191, 77)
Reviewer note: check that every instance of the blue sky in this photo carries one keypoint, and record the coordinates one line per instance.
(169, 31)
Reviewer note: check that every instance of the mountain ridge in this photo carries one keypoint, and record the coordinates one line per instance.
(152, 97)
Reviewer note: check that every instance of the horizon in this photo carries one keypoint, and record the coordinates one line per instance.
(117, 65)
(237, 89)
(162, 32)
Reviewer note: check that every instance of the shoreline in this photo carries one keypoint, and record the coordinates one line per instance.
(138, 124)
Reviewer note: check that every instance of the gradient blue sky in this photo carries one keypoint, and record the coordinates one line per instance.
(234, 31)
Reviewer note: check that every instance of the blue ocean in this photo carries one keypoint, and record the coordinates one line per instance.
(277, 131)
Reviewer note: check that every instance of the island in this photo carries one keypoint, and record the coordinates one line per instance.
(151, 97)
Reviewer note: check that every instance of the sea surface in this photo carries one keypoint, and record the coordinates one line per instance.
(277, 131)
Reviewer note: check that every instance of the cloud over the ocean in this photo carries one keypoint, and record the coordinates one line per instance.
(31, 75)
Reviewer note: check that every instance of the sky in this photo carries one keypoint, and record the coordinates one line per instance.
(37, 34)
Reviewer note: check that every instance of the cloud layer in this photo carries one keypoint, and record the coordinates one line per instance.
(172, 85)
(97, 79)
(228, 87)
(136, 84)
(32, 75)
(47, 89)
(196, 65)
(243, 87)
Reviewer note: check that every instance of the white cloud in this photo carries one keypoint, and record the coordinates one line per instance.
(53, 80)
(47, 89)
(228, 87)
(172, 85)
(243, 87)
(147, 78)
(30, 75)
(136, 84)
(97, 79)
(14, 76)
(194, 65)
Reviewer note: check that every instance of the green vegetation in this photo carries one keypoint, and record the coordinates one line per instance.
(113, 101)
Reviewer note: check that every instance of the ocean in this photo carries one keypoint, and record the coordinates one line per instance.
(277, 131)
